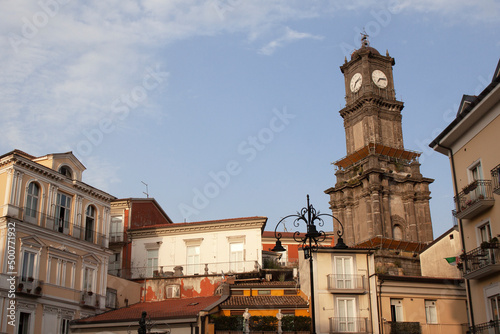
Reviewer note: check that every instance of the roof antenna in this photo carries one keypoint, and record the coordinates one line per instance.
(147, 192)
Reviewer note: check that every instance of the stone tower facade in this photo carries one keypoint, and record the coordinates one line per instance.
(380, 191)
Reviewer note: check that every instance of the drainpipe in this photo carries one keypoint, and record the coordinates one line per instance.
(467, 284)
(369, 290)
(379, 306)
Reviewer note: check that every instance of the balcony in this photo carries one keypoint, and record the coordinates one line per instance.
(29, 287)
(490, 327)
(65, 227)
(117, 238)
(495, 177)
(90, 300)
(474, 199)
(481, 262)
(349, 325)
(352, 284)
(393, 327)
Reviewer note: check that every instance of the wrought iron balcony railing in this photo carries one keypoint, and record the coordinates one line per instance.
(490, 327)
(347, 283)
(349, 325)
(482, 261)
(90, 299)
(474, 199)
(495, 177)
(62, 226)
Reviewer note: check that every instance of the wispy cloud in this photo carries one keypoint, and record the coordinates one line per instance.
(288, 37)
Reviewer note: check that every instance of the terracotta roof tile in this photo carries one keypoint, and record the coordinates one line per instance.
(265, 301)
(171, 308)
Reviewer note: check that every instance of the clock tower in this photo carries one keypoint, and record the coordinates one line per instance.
(380, 191)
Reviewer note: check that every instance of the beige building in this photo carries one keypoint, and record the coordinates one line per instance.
(433, 259)
(469, 141)
(424, 305)
(349, 297)
(53, 240)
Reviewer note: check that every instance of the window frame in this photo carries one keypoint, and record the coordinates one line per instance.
(343, 279)
(31, 198)
(63, 211)
(431, 312)
(90, 222)
(397, 308)
(237, 264)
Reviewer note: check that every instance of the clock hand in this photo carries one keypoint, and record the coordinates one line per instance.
(381, 79)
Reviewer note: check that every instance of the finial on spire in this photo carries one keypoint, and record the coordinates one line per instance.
(387, 52)
(364, 39)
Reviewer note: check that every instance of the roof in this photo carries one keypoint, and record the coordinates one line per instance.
(264, 302)
(166, 309)
(454, 228)
(201, 223)
(385, 243)
(380, 149)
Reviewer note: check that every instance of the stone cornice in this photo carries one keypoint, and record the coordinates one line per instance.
(172, 229)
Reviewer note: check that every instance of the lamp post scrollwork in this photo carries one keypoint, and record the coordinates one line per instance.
(310, 241)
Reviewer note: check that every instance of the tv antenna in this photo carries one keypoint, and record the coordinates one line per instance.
(147, 192)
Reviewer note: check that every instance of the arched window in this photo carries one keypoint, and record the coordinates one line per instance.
(397, 232)
(32, 199)
(66, 171)
(89, 223)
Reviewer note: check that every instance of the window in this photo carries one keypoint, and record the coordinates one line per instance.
(344, 272)
(264, 292)
(89, 223)
(24, 323)
(236, 257)
(66, 171)
(193, 260)
(396, 310)
(397, 232)
(173, 291)
(32, 200)
(114, 265)
(28, 266)
(111, 298)
(65, 326)
(88, 279)
(283, 260)
(116, 230)
(430, 311)
(63, 212)
(152, 262)
(484, 232)
(346, 311)
(494, 302)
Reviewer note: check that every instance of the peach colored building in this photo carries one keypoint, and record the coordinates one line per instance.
(470, 143)
(53, 240)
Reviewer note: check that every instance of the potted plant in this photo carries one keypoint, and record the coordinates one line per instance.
(89, 293)
(30, 279)
(485, 245)
(20, 287)
(38, 290)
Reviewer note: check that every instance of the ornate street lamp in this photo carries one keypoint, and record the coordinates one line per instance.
(310, 241)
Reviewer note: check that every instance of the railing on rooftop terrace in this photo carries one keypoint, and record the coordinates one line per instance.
(201, 269)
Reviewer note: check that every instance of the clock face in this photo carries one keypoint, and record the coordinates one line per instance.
(379, 78)
(356, 82)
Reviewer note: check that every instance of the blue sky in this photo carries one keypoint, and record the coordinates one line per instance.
(235, 100)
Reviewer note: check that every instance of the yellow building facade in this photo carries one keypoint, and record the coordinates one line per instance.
(53, 239)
